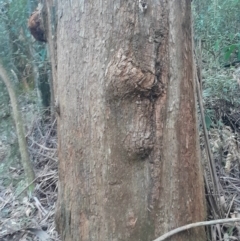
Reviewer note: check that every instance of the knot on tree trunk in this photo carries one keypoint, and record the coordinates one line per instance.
(131, 94)
(125, 79)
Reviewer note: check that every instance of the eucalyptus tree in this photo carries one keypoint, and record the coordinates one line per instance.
(129, 164)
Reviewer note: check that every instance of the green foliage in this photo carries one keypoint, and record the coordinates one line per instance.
(217, 24)
(14, 29)
(27, 59)
(217, 41)
(208, 121)
(17, 50)
(230, 51)
(221, 95)
(221, 87)
(26, 63)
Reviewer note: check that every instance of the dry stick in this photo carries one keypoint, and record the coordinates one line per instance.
(215, 179)
(230, 206)
(198, 82)
(211, 163)
(9, 200)
(42, 146)
(194, 225)
(199, 65)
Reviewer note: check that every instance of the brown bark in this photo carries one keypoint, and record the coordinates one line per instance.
(50, 23)
(128, 151)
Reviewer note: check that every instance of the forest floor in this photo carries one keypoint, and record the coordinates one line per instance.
(23, 216)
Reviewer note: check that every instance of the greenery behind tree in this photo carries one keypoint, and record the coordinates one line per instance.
(217, 41)
(26, 63)
(217, 25)
(25, 57)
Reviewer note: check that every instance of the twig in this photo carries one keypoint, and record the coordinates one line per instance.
(9, 200)
(47, 156)
(194, 225)
(230, 206)
(42, 146)
(211, 164)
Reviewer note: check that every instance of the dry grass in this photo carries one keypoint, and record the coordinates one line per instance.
(226, 153)
(24, 217)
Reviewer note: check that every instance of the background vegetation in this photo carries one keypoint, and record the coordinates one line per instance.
(27, 64)
(217, 48)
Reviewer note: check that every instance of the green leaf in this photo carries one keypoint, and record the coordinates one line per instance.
(208, 121)
(229, 50)
(217, 46)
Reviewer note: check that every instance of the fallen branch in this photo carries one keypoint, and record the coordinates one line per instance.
(194, 225)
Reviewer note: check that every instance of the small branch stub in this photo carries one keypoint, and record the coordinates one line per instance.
(142, 6)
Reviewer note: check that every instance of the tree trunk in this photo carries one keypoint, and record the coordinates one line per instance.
(25, 160)
(50, 23)
(129, 164)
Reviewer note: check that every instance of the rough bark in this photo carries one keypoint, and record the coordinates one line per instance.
(128, 158)
(50, 24)
(25, 160)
